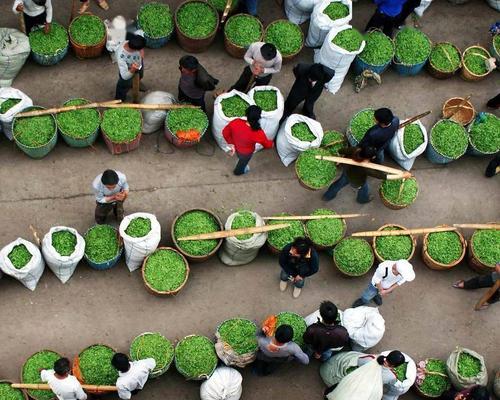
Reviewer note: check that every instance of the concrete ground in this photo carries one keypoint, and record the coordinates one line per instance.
(425, 318)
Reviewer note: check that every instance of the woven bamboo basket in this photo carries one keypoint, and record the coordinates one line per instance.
(348, 273)
(306, 185)
(464, 116)
(105, 264)
(394, 206)
(321, 247)
(274, 250)
(432, 264)
(468, 75)
(122, 147)
(159, 369)
(244, 359)
(473, 260)
(374, 242)
(186, 375)
(25, 396)
(349, 135)
(435, 72)
(22, 369)
(235, 50)
(289, 57)
(77, 373)
(79, 142)
(417, 390)
(84, 51)
(169, 292)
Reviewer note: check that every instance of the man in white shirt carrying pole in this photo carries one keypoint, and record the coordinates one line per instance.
(388, 276)
(35, 12)
(64, 385)
(132, 375)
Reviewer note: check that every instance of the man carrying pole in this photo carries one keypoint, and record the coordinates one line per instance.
(130, 58)
(64, 385)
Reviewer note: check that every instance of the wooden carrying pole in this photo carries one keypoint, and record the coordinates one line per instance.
(311, 217)
(136, 81)
(22, 24)
(44, 386)
(477, 226)
(151, 106)
(342, 160)
(491, 291)
(417, 231)
(413, 119)
(37, 113)
(234, 232)
(227, 8)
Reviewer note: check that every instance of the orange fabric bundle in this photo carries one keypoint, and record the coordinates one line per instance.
(190, 135)
(269, 325)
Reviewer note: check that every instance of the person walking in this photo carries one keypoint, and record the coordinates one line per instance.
(388, 276)
(35, 12)
(242, 136)
(263, 61)
(298, 260)
(130, 58)
(132, 375)
(194, 82)
(482, 281)
(386, 15)
(111, 190)
(310, 80)
(62, 384)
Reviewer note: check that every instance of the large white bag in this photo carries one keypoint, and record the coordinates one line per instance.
(62, 266)
(336, 58)
(494, 4)
(288, 146)
(14, 50)
(30, 274)
(219, 120)
(299, 11)
(336, 368)
(224, 384)
(392, 392)
(239, 252)
(397, 149)
(6, 118)
(137, 249)
(321, 23)
(154, 120)
(270, 120)
(365, 325)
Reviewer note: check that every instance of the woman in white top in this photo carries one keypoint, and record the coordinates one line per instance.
(64, 385)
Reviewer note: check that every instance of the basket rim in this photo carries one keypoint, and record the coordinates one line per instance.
(470, 137)
(186, 2)
(165, 292)
(468, 103)
(412, 237)
(197, 109)
(261, 26)
(91, 133)
(34, 108)
(171, 15)
(452, 264)
(307, 185)
(274, 249)
(464, 66)
(399, 62)
(60, 50)
(349, 273)
(120, 245)
(471, 246)
(326, 246)
(395, 204)
(459, 54)
(186, 375)
(167, 365)
(126, 142)
(439, 152)
(393, 49)
(284, 20)
(72, 39)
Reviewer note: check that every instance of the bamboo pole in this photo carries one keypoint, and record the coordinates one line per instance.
(333, 143)
(44, 386)
(311, 217)
(22, 23)
(35, 236)
(136, 81)
(151, 106)
(413, 119)
(227, 8)
(477, 226)
(37, 113)
(484, 299)
(369, 165)
(234, 232)
(416, 231)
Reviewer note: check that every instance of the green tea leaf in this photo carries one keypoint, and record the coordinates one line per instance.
(348, 39)
(156, 20)
(194, 223)
(152, 345)
(468, 365)
(165, 270)
(435, 385)
(87, 30)
(184, 119)
(391, 190)
(49, 44)
(330, 137)
(138, 227)
(240, 334)
(445, 57)
(195, 356)
(64, 242)
(101, 243)
(412, 46)
(281, 237)
(20, 256)
(96, 367)
(353, 256)
(336, 10)
(484, 133)
(325, 232)
(394, 248)
(243, 30)
(79, 124)
(234, 106)
(34, 131)
(44, 359)
(286, 36)
(379, 49)
(296, 322)
(444, 247)
(267, 100)
(220, 5)
(361, 123)
(449, 139)
(8, 104)
(9, 393)
(400, 371)
(316, 174)
(121, 125)
(301, 131)
(196, 20)
(475, 60)
(486, 246)
(412, 138)
(244, 219)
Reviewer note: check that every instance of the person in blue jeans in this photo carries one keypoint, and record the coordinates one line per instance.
(250, 6)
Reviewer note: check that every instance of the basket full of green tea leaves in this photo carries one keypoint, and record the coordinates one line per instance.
(327, 232)
(286, 36)
(79, 128)
(353, 256)
(266, 99)
(412, 49)
(360, 123)
(184, 127)
(394, 248)
(49, 48)
(434, 380)
(93, 366)
(314, 174)
(349, 39)
(102, 247)
(165, 272)
(474, 63)
(7, 392)
(333, 141)
(484, 250)
(157, 22)
(36, 136)
(239, 337)
(444, 60)
(297, 323)
(278, 239)
(87, 34)
(153, 345)
(122, 129)
(443, 250)
(448, 141)
(195, 222)
(398, 193)
(484, 135)
(195, 357)
(234, 106)
(196, 25)
(240, 31)
(377, 53)
(30, 373)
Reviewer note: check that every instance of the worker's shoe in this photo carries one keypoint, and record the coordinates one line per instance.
(357, 303)
(283, 285)
(378, 300)
(296, 292)
(85, 6)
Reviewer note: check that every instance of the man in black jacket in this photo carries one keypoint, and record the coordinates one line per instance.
(194, 82)
(309, 82)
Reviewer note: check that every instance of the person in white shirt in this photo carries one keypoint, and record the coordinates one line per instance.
(388, 276)
(130, 58)
(132, 376)
(64, 385)
(35, 12)
(111, 190)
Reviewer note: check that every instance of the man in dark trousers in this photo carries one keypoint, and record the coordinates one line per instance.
(408, 7)
(194, 82)
(130, 59)
(309, 82)
(35, 12)
(111, 190)
(379, 135)
(387, 15)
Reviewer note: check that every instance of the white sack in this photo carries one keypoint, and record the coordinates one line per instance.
(30, 274)
(494, 4)
(6, 119)
(365, 325)
(62, 266)
(288, 146)
(14, 50)
(137, 249)
(299, 11)
(336, 58)
(270, 120)
(321, 23)
(116, 34)
(154, 120)
(239, 252)
(392, 392)
(224, 384)
(424, 4)
(219, 120)
(397, 149)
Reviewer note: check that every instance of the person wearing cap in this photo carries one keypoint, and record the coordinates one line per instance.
(194, 82)
(132, 375)
(388, 276)
(35, 12)
(111, 190)
(263, 61)
(130, 58)
(309, 82)
(64, 385)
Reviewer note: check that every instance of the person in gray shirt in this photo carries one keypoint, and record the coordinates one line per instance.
(277, 349)
(111, 190)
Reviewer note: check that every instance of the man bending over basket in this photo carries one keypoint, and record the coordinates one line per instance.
(62, 384)
(111, 190)
(132, 375)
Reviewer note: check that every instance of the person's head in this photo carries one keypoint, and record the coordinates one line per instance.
(329, 312)
(383, 116)
(284, 334)
(316, 73)
(394, 359)
(62, 367)
(405, 269)
(40, 2)
(136, 42)
(253, 114)
(188, 63)
(366, 153)
(268, 51)
(121, 362)
(301, 247)
(109, 179)
(479, 393)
